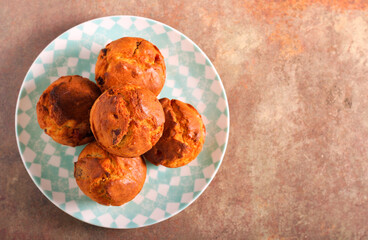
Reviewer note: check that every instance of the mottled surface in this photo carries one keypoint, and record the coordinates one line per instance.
(296, 77)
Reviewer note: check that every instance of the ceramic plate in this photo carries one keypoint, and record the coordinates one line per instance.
(191, 77)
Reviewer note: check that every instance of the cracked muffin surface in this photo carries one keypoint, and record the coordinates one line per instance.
(131, 60)
(109, 179)
(63, 110)
(183, 136)
(127, 121)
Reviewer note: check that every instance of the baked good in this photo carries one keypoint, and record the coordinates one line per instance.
(63, 110)
(127, 120)
(109, 179)
(131, 60)
(183, 137)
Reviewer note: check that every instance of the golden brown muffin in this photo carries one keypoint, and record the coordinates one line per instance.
(127, 121)
(131, 60)
(63, 110)
(109, 179)
(183, 137)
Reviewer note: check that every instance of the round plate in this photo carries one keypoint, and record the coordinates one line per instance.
(191, 77)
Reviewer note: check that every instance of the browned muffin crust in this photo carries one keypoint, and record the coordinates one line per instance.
(109, 179)
(127, 121)
(63, 110)
(131, 60)
(183, 137)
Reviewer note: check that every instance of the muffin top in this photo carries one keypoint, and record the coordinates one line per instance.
(109, 179)
(63, 109)
(127, 121)
(131, 60)
(183, 136)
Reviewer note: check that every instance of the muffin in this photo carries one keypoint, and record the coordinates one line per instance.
(131, 60)
(183, 136)
(127, 121)
(63, 110)
(109, 179)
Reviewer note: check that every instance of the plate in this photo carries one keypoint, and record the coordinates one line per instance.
(191, 77)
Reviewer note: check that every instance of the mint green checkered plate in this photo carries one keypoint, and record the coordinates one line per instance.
(191, 77)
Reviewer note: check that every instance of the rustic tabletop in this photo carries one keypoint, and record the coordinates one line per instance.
(295, 73)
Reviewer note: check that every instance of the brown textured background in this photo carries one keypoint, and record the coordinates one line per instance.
(296, 77)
